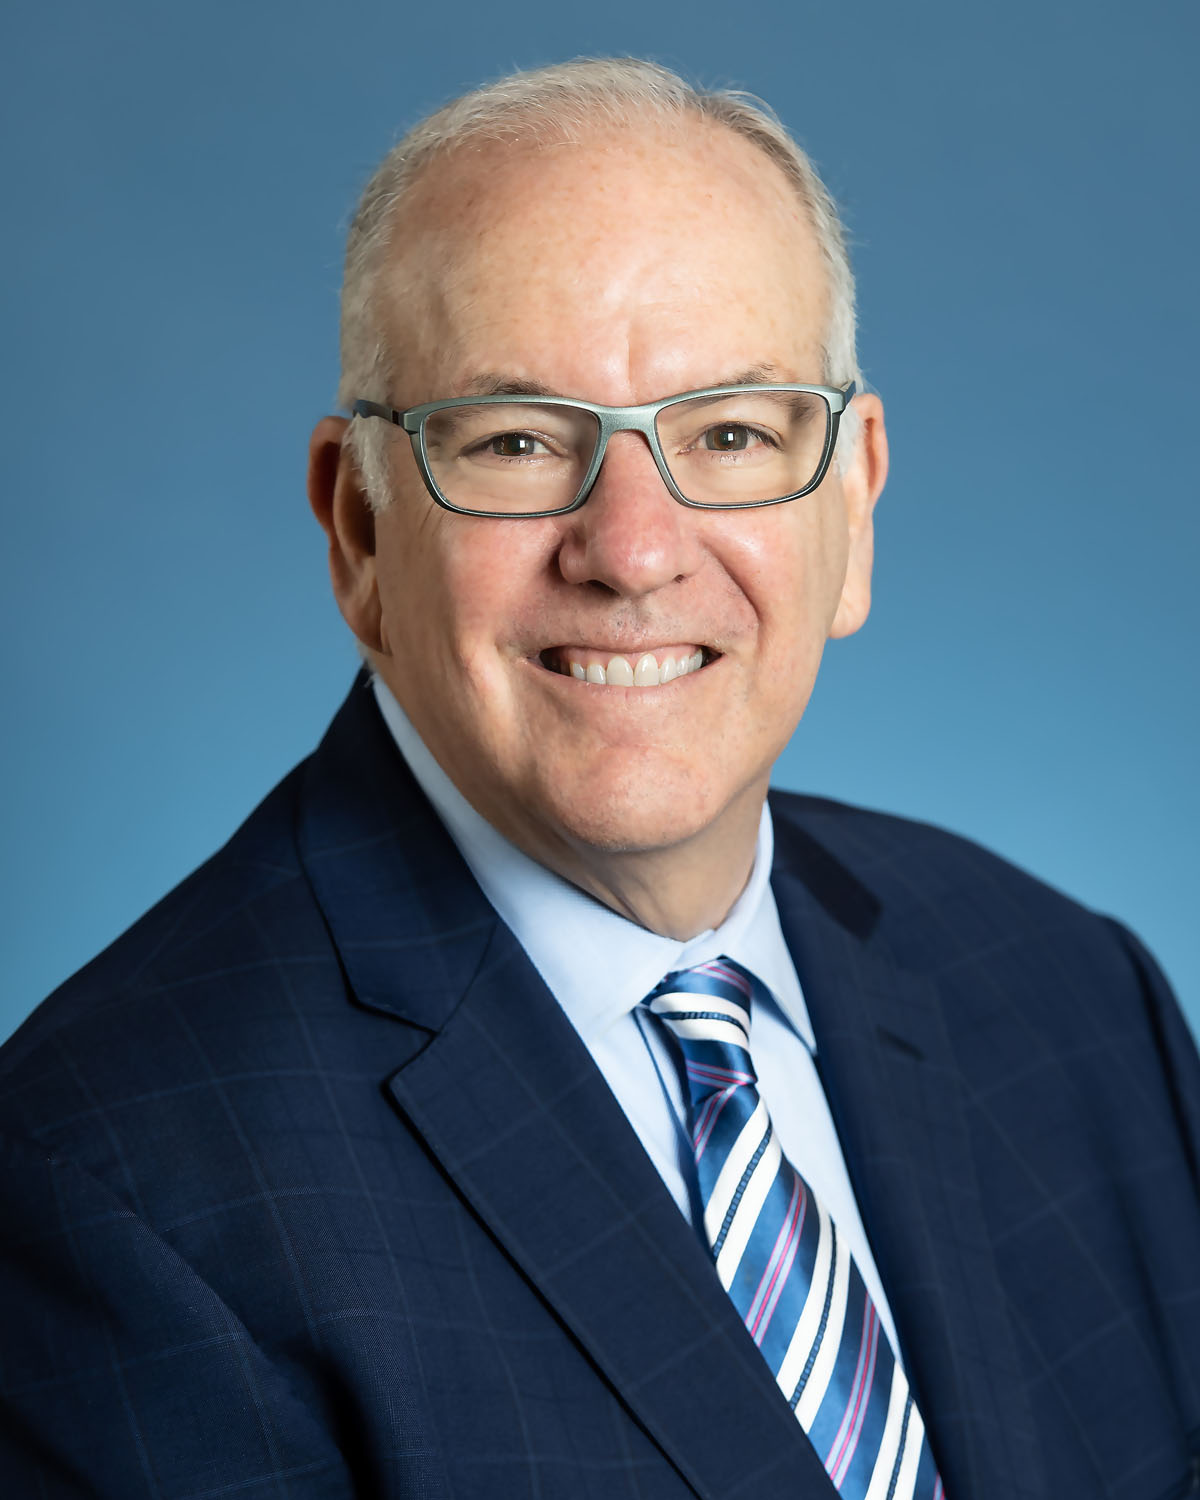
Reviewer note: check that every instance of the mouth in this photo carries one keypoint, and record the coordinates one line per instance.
(642, 669)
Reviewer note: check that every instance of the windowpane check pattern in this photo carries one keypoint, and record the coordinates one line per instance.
(779, 1256)
(724, 448)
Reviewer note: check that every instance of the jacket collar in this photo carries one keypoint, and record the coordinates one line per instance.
(409, 924)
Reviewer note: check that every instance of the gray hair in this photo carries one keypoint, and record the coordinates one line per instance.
(564, 102)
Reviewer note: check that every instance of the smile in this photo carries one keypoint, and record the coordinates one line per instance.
(644, 670)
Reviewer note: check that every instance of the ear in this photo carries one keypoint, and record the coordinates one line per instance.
(339, 501)
(861, 485)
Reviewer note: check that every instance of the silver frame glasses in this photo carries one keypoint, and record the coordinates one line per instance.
(611, 419)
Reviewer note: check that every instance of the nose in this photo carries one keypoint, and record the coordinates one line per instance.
(631, 535)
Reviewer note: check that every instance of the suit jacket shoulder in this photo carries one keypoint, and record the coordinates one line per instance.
(209, 912)
(937, 902)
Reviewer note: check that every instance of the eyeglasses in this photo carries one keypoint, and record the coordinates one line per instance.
(728, 447)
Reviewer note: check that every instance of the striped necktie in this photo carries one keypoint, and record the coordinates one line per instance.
(779, 1256)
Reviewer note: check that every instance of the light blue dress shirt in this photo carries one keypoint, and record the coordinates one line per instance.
(598, 965)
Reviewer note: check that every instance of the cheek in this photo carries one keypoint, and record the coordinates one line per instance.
(491, 578)
(451, 589)
(794, 570)
(416, 561)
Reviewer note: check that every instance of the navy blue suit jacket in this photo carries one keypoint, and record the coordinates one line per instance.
(309, 1189)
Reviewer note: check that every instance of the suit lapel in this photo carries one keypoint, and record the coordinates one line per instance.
(895, 1092)
(520, 1118)
(504, 1094)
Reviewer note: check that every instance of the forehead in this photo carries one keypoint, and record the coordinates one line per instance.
(619, 267)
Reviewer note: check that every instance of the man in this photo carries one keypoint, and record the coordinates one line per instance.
(517, 1105)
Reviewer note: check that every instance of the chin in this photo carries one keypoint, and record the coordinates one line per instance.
(634, 809)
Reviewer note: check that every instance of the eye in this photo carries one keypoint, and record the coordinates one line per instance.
(514, 445)
(729, 437)
(734, 437)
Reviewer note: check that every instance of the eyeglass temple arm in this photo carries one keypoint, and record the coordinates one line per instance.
(374, 409)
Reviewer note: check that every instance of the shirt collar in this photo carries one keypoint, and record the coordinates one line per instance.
(596, 963)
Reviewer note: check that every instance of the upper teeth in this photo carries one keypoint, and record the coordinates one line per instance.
(646, 673)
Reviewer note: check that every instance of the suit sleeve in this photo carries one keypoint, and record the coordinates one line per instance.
(122, 1373)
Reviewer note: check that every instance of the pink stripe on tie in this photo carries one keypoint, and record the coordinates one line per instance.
(779, 1264)
(710, 1073)
(845, 1444)
(707, 1121)
(720, 971)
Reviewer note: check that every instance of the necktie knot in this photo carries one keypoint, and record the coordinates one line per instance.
(707, 1010)
(708, 1003)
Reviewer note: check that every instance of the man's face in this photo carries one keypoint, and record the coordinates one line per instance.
(621, 271)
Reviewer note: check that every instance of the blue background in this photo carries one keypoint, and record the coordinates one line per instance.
(1019, 182)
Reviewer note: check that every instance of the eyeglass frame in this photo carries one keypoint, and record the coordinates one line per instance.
(611, 419)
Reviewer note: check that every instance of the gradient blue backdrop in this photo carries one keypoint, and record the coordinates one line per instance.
(1020, 185)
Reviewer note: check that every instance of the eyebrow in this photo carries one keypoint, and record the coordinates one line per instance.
(765, 374)
(495, 383)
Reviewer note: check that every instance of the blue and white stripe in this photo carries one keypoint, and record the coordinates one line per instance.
(778, 1254)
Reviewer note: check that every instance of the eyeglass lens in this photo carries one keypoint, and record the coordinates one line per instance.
(524, 456)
